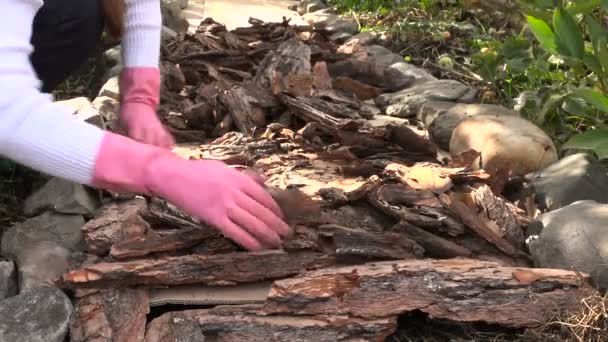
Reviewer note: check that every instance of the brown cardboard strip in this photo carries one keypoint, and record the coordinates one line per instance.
(211, 295)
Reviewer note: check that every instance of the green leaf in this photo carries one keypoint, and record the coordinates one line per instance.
(602, 52)
(594, 140)
(543, 33)
(574, 105)
(593, 97)
(567, 33)
(583, 6)
(596, 31)
(594, 64)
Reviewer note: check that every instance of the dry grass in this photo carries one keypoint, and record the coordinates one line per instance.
(590, 324)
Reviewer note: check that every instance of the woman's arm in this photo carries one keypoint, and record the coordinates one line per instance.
(140, 78)
(34, 131)
(142, 33)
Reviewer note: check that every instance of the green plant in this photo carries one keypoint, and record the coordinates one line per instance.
(572, 34)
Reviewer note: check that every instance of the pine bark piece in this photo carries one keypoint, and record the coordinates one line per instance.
(224, 126)
(361, 90)
(475, 223)
(357, 243)
(309, 113)
(460, 289)
(108, 316)
(291, 57)
(434, 245)
(222, 269)
(114, 223)
(246, 117)
(402, 213)
(322, 80)
(371, 73)
(408, 140)
(496, 211)
(248, 323)
(297, 207)
(173, 241)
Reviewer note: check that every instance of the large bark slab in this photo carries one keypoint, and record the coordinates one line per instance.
(221, 269)
(465, 290)
(113, 315)
(248, 323)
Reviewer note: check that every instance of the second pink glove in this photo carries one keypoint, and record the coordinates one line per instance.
(226, 198)
(139, 98)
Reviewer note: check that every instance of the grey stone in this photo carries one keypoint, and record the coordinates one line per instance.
(111, 89)
(65, 230)
(338, 24)
(8, 279)
(172, 16)
(42, 265)
(382, 55)
(315, 6)
(62, 196)
(340, 37)
(573, 178)
(442, 117)
(363, 38)
(40, 315)
(113, 56)
(112, 72)
(320, 18)
(183, 4)
(574, 237)
(167, 33)
(408, 102)
(41, 246)
(309, 6)
(420, 75)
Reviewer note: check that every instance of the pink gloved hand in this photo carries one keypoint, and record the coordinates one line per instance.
(139, 98)
(221, 196)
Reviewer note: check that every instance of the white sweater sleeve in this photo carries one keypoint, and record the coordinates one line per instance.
(33, 130)
(142, 32)
(43, 135)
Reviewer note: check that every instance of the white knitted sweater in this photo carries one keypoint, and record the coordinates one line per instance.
(33, 130)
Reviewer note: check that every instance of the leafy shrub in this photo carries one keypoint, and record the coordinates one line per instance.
(572, 34)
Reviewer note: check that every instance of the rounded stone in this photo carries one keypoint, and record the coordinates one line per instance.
(504, 142)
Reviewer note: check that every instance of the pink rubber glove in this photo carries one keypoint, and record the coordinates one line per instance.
(221, 196)
(140, 92)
